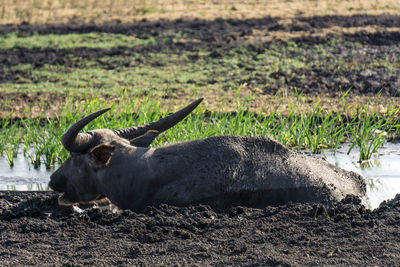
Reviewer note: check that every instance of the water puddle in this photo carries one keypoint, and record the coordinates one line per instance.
(382, 173)
(23, 177)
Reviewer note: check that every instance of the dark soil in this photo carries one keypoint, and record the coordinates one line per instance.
(222, 30)
(220, 36)
(35, 230)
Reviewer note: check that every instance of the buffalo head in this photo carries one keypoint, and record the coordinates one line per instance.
(92, 151)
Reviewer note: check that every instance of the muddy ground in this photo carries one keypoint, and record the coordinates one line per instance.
(35, 230)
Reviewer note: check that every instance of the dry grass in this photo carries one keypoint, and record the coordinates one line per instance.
(258, 36)
(15, 105)
(62, 11)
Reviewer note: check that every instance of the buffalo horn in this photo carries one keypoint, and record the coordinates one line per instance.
(77, 142)
(160, 125)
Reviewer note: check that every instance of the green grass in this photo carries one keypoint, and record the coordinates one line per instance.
(71, 40)
(369, 131)
(314, 130)
(165, 65)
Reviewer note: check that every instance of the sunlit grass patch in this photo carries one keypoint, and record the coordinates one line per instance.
(72, 40)
(109, 62)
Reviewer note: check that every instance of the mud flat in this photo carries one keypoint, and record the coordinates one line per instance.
(35, 230)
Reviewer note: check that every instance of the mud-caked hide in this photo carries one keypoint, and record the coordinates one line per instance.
(220, 171)
(226, 171)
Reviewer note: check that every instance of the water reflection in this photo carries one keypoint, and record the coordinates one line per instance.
(25, 187)
(381, 173)
(23, 177)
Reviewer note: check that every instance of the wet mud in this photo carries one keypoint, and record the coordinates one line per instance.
(35, 230)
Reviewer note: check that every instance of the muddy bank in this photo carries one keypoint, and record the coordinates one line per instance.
(35, 230)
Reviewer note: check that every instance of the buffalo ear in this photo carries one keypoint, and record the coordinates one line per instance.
(101, 154)
(145, 140)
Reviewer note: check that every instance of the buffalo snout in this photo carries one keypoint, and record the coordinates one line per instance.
(58, 182)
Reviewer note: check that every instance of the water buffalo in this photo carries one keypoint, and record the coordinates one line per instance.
(219, 171)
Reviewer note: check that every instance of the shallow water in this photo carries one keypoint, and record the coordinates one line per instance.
(382, 172)
(23, 176)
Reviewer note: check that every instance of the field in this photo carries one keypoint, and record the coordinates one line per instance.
(310, 74)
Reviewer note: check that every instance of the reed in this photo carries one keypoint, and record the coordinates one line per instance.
(369, 132)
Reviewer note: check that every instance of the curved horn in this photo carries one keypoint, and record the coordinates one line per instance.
(77, 142)
(161, 125)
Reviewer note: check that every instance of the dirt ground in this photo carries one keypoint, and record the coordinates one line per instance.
(36, 231)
